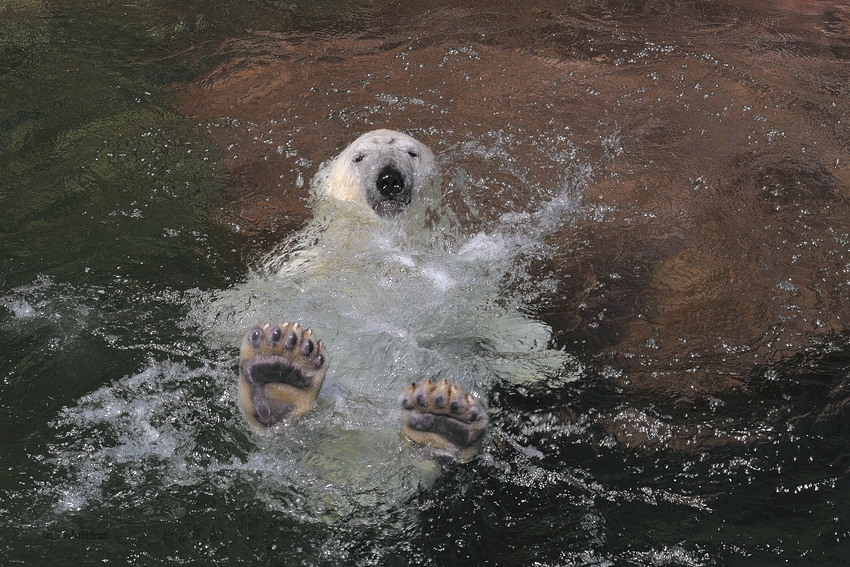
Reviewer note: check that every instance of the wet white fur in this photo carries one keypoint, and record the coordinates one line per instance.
(345, 179)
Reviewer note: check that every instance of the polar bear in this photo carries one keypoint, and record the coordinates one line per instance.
(381, 169)
(283, 366)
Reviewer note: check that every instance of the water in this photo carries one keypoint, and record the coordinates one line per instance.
(636, 251)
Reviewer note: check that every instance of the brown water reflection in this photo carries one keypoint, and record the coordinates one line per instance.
(709, 141)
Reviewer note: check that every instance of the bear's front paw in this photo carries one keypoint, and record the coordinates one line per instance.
(445, 418)
(281, 371)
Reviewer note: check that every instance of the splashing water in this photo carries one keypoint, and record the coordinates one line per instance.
(703, 280)
(395, 302)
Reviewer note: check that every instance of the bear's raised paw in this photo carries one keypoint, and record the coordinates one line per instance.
(445, 418)
(281, 371)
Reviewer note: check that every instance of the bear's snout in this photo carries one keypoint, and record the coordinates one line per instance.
(393, 193)
(390, 184)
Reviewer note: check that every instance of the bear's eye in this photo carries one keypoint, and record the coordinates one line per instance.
(358, 159)
(412, 154)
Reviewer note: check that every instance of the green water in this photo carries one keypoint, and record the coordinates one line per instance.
(122, 440)
(106, 196)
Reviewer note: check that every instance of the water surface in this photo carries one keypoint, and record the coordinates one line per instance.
(636, 251)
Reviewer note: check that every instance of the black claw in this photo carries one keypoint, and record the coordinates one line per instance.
(291, 340)
(407, 403)
(256, 337)
(275, 336)
(307, 347)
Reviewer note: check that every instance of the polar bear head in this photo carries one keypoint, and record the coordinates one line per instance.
(381, 169)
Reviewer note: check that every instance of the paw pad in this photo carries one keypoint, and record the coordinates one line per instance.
(281, 368)
(445, 418)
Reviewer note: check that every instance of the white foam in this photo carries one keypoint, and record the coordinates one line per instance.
(394, 303)
(21, 309)
(144, 424)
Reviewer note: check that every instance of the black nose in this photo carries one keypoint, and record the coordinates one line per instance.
(390, 182)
